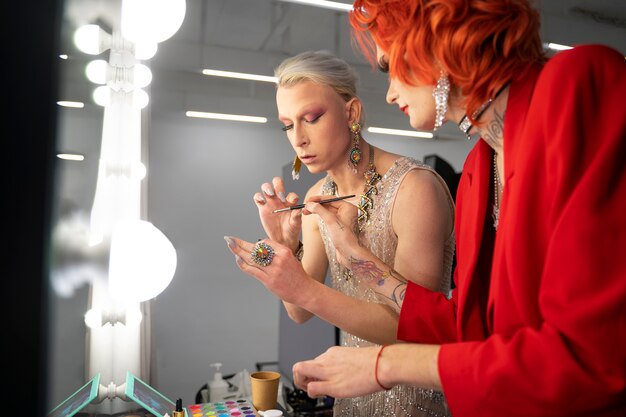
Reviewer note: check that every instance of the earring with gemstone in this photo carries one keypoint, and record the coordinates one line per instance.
(440, 93)
(295, 170)
(355, 154)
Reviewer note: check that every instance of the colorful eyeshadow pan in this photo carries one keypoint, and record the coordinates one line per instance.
(238, 408)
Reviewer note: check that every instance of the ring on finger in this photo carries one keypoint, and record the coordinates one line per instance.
(262, 254)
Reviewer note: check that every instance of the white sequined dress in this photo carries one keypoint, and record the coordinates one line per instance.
(379, 237)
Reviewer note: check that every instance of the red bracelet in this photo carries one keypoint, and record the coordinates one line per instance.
(376, 368)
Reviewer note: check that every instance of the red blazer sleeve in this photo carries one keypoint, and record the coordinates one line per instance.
(562, 353)
(427, 316)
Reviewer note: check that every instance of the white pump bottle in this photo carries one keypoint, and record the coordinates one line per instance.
(218, 387)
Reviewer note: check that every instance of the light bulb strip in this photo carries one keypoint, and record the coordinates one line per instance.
(223, 116)
(71, 104)
(71, 156)
(557, 46)
(398, 132)
(333, 5)
(240, 75)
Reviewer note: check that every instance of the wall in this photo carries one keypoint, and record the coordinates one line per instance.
(202, 175)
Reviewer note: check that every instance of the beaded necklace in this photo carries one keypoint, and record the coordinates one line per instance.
(497, 185)
(369, 189)
(366, 202)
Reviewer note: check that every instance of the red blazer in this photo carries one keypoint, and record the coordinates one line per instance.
(540, 329)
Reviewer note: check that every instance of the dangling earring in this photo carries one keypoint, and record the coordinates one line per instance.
(295, 170)
(355, 154)
(440, 93)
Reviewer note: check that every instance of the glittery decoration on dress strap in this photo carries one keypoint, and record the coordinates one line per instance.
(366, 202)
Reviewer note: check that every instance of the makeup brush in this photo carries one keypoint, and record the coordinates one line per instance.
(299, 206)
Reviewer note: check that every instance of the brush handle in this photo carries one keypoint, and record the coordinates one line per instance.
(300, 206)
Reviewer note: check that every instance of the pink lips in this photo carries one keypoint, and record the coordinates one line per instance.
(307, 158)
(405, 110)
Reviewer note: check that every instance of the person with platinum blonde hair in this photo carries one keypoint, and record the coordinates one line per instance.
(405, 216)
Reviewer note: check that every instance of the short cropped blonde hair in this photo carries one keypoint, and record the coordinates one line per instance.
(320, 67)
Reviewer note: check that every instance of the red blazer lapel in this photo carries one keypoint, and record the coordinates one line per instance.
(472, 205)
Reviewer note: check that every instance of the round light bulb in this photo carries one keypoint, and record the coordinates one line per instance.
(93, 318)
(138, 171)
(151, 20)
(91, 39)
(140, 98)
(142, 261)
(146, 50)
(142, 76)
(102, 95)
(96, 71)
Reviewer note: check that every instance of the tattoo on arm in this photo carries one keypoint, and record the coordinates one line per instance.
(398, 294)
(370, 272)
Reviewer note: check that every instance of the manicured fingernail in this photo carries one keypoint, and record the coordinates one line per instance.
(269, 192)
(238, 260)
(229, 241)
(281, 195)
(260, 199)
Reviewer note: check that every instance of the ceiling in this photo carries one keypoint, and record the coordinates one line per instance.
(255, 35)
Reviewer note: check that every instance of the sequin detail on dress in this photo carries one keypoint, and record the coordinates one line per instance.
(379, 237)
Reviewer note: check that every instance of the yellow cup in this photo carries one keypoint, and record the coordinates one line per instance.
(264, 389)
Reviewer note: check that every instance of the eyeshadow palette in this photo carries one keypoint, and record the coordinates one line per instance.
(230, 408)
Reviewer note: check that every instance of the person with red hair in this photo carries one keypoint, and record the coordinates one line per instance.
(537, 322)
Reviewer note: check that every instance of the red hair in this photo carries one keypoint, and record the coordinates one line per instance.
(481, 44)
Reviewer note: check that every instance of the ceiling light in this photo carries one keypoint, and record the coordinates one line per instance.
(333, 5)
(71, 156)
(222, 116)
(412, 133)
(557, 47)
(73, 104)
(240, 75)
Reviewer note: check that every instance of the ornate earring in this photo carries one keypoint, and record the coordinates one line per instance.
(355, 154)
(295, 170)
(440, 93)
